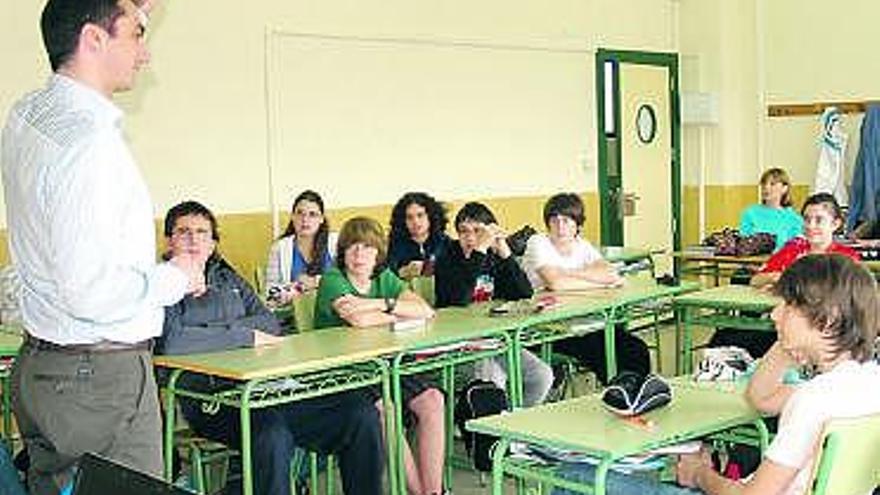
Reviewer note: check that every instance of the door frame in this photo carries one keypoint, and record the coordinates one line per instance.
(611, 227)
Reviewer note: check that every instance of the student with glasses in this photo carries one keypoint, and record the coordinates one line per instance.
(303, 252)
(227, 315)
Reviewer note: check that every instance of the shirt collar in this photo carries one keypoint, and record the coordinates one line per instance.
(88, 98)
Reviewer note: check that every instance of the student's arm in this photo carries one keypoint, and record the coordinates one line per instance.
(411, 305)
(695, 471)
(361, 311)
(763, 280)
(766, 391)
(598, 272)
(511, 282)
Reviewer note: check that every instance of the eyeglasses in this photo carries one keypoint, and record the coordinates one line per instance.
(308, 213)
(196, 234)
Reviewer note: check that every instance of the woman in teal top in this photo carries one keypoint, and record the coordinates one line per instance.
(361, 292)
(774, 215)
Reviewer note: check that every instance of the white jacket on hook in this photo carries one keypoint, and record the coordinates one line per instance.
(832, 149)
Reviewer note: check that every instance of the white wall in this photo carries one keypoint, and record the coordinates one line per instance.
(197, 121)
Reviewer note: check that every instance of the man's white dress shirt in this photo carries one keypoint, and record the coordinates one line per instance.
(80, 221)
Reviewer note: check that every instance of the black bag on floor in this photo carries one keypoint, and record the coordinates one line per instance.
(479, 398)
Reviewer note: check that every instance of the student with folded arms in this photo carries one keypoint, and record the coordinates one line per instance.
(361, 292)
(480, 267)
(563, 260)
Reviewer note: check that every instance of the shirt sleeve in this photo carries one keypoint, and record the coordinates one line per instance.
(274, 277)
(96, 279)
(390, 285)
(800, 428)
(332, 286)
(783, 258)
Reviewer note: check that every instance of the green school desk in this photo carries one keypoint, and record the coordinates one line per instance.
(583, 425)
(453, 337)
(609, 304)
(717, 265)
(321, 362)
(718, 307)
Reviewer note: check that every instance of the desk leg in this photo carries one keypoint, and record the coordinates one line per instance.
(399, 431)
(763, 435)
(610, 344)
(390, 427)
(449, 421)
(247, 472)
(602, 477)
(498, 466)
(7, 408)
(687, 340)
(514, 369)
(170, 410)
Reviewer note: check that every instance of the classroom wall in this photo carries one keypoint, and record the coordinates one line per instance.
(816, 51)
(198, 120)
(198, 125)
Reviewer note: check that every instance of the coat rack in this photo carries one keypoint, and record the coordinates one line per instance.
(800, 109)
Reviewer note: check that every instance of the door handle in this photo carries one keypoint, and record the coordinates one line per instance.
(628, 203)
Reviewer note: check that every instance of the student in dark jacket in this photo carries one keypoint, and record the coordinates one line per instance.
(480, 267)
(417, 236)
(229, 315)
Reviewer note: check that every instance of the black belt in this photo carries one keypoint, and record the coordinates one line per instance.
(97, 347)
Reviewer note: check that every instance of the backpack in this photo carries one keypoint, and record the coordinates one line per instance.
(479, 398)
(517, 241)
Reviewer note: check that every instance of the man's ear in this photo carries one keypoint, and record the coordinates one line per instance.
(92, 38)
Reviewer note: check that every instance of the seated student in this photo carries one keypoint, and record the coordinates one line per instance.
(774, 215)
(418, 235)
(822, 218)
(827, 321)
(229, 315)
(563, 260)
(303, 252)
(480, 267)
(359, 291)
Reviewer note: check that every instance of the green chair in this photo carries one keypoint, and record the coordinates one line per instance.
(424, 287)
(849, 463)
(304, 311)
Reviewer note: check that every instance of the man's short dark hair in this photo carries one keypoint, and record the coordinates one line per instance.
(474, 212)
(188, 208)
(62, 22)
(566, 204)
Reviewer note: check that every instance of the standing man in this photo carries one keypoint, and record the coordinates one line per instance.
(82, 238)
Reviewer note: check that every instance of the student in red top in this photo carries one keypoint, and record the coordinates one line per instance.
(822, 218)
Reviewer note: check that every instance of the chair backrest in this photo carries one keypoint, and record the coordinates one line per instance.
(260, 281)
(304, 311)
(849, 462)
(424, 287)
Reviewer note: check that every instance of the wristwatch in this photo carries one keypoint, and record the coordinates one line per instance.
(390, 303)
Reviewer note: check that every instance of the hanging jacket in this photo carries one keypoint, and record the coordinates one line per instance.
(863, 206)
(832, 150)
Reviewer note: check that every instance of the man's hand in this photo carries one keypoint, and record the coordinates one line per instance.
(195, 273)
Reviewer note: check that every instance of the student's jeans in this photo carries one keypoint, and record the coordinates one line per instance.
(536, 374)
(619, 483)
(345, 424)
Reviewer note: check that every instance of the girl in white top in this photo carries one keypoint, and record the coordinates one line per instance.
(302, 253)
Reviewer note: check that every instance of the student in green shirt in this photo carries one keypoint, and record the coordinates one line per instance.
(361, 292)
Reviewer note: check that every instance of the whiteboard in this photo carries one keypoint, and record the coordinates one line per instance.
(362, 121)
